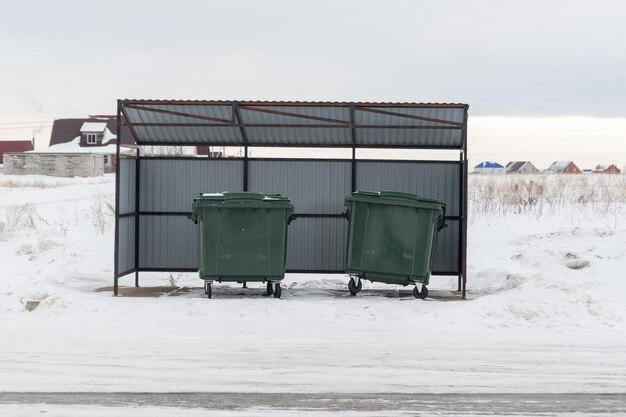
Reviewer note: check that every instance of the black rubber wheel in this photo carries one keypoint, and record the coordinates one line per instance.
(278, 291)
(269, 291)
(353, 288)
(205, 286)
(420, 294)
(209, 290)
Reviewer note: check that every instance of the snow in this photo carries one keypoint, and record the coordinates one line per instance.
(143, 411)
(147, 411)
(545, 310)
(74, 147)
(108, 136)
(98, 127)
(168, 150)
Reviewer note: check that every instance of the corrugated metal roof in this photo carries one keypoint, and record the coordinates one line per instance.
(259, 123)
(558, 166)
(515, 166)
(488, 164)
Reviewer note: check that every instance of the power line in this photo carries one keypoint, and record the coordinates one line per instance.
(25, 127)
(59, 122)
(26, 123)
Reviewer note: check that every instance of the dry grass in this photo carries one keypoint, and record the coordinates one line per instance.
(545, 194)
(20, 217)
(40, 184)
(102, 213)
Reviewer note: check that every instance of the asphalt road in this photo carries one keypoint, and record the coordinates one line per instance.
(412, 404)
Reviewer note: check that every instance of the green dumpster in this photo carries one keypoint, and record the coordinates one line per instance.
(242, 238)
(392, 238)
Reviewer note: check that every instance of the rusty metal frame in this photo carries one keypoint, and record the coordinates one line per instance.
(292, 103)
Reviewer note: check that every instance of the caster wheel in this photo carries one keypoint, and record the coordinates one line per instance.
(420, 294)
(353, 288)
(277, 291)
(205, 286)
(209, 290)
(269, 291)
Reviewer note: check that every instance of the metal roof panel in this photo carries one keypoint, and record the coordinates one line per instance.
(255, 123)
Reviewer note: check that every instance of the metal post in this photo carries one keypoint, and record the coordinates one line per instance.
(465, 211)
(117, 201)
(237, 117)
(460, 243)
(245, 168)
(353, 136)
(353, 169)
(136, 218)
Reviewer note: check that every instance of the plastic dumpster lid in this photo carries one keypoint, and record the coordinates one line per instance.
(398, 196)
(235, 197)
(244, 195)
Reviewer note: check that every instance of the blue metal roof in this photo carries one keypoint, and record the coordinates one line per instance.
(487, 164)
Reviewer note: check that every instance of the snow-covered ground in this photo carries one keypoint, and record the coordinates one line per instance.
(546, 309)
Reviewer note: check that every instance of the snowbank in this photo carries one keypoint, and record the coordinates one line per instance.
(546, 311)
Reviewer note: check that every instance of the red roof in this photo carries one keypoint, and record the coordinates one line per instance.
(14, 146)
(66, 130)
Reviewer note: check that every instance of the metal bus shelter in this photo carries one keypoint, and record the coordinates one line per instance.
(154, 194)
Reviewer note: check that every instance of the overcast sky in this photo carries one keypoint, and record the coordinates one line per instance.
(533, 72)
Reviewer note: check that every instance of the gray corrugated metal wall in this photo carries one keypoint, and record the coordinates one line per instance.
(126, 248)
(317, 244)
(171, 184)
(169, 242)
(127, 185)
(427, 179)
(313, 186)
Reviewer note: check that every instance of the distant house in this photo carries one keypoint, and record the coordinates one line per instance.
(521, 167)
(606, 169)
(78, 147)
(95, 134)
(487, 167)
(14, 146)
(563, 167)
(86, 147)
(88, 135)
